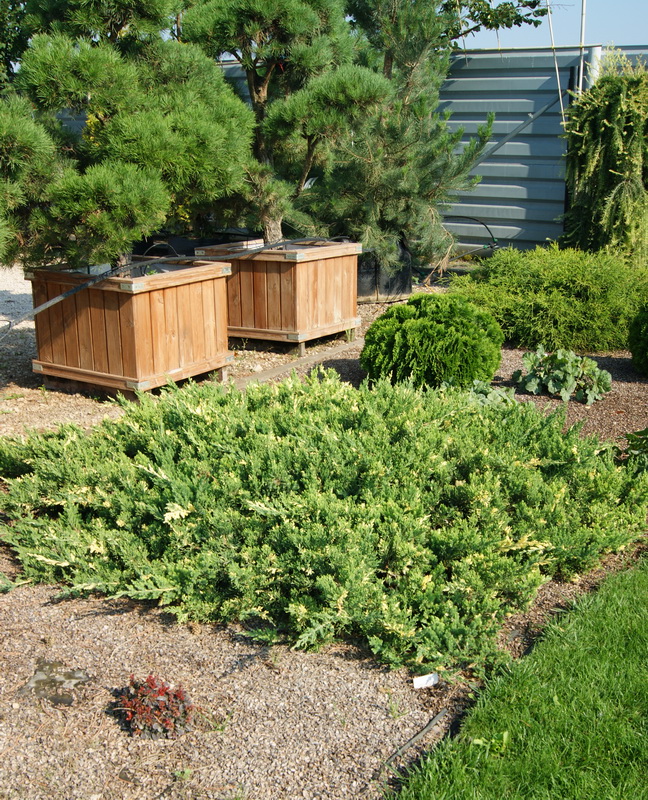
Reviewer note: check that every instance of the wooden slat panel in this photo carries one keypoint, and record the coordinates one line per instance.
(303, 288)
(127, 335)
(42, 322)
(209, 318)
(348, 287)
(234, 294)
(171, 351)
(56, 324)
(98, 324)
(287, 297)
(273, 288)
(185, 328)
(113, 333)
(220, 307)
(198, 333)
(246, 272)
(158, 330)
(70, 332)
(143, 336)
(260, 291)
(318, 307)
(84, 330)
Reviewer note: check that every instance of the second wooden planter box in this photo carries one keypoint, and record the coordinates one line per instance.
(137, 332)
(291, 293)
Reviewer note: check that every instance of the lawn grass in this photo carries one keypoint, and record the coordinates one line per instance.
(569, 722)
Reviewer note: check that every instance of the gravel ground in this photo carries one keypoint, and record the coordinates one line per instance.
(276, 724)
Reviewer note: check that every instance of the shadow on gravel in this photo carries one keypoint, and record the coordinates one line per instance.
(17, 349)
(349, 369)
(620, 368)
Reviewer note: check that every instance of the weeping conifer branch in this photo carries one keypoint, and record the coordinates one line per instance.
(607, 162)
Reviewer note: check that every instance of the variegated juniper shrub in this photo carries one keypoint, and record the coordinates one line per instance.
(412, 520)
(431, 340)
(638, 341)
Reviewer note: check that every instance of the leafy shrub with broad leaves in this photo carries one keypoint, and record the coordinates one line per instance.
(565, 374)
(558, 298)
(151, 709)
(433, 339)
(412, 520)
(638, 341)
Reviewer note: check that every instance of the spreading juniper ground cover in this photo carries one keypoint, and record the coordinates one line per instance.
(411, 520)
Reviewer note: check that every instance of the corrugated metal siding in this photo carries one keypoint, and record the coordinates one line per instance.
(521, 195)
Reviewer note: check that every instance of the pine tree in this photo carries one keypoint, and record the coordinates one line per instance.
(399, 164)
(304, 89)
(13, 37)
(101, 21)
(157, 140)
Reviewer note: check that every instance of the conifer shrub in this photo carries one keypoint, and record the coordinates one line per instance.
(433, 339)
(560, 299)
(412, 520)
(638, 341)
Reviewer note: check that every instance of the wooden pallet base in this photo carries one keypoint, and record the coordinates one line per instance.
(123, 384)
(278, 335)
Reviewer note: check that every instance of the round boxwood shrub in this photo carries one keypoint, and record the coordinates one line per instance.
(432, 339)
(638, 341)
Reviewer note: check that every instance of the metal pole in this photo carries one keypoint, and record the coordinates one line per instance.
(581, 66)
(553, 49)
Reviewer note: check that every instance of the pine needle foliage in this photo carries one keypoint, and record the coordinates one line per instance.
(607, 162)
(558, 298)
(431, 340)
(28, 163)
(159, 140)
(414, 520)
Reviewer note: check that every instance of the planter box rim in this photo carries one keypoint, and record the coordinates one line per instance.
(192, 272)
(286, 252)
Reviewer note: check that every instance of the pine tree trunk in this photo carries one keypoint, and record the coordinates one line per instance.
(271, 229)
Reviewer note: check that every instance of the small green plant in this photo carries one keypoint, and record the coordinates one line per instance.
(431, 340)
(152, 709)
(638, 341)
(489, 395)
(563, 373)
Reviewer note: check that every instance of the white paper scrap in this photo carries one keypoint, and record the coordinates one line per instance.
(424, 681)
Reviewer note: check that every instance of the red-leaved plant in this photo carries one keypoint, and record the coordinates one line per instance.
(154, 710)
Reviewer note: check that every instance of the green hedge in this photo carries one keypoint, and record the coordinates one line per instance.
(558, 298)
(414, 520)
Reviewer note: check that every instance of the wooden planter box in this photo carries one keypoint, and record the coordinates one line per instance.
(291, 293)
(136, 332)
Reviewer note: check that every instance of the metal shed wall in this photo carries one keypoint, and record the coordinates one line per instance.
(521, 196)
